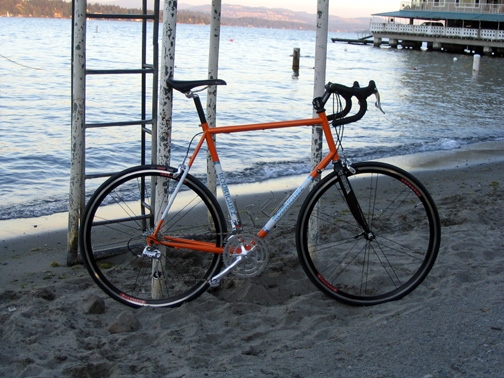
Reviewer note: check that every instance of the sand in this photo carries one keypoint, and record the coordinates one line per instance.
(277, 324)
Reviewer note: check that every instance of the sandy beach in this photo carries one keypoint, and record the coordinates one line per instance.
(277, 324)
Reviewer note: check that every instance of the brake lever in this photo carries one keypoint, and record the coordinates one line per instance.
(378, 102)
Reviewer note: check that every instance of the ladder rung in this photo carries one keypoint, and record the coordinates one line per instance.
(122, 16)
(146, 125)
(122, 220)
(124, 123)
(120, 71)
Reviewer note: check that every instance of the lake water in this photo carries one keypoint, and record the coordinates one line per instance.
(433, 101)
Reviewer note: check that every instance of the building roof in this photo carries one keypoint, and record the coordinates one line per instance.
(428, 15)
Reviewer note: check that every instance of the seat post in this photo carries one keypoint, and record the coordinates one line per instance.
(199, 108)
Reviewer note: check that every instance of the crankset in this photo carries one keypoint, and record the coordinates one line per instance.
(250, 249)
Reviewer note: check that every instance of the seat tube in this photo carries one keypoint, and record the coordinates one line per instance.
(233, 212)
(199, 108)
(221, 179)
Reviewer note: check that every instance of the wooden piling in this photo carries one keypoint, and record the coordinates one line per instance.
(476, 62)
(295, 60)
(77, 158)
(320, 74)
(213, 71)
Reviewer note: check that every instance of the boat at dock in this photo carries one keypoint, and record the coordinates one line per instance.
(358, 41)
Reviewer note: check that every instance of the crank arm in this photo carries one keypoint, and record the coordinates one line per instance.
(215, 281)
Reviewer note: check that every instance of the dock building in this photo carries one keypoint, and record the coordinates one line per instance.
(474, 26)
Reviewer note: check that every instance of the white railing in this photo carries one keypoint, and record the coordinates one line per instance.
(451, 6)
(438, 31)
(489, 34)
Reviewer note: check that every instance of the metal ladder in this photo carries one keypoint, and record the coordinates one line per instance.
(147, 123)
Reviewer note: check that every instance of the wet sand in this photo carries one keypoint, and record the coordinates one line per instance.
(277, 324)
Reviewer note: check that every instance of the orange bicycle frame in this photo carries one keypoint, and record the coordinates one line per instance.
(208, 132)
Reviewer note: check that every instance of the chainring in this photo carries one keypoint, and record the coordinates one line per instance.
(255, 260)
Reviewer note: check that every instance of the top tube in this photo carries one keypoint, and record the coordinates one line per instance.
(361, 93)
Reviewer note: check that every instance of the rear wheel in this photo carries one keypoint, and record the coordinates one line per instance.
(362, 269)
(122, 214)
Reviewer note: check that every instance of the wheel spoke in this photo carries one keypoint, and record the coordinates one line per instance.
(118, 220)
(368, 268)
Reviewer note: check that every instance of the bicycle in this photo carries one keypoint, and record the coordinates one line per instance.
(367, 233)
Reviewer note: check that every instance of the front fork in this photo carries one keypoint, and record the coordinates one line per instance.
(351, 199)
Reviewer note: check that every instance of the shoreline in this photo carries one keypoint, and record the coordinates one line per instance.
(276, 324)
(465, 156)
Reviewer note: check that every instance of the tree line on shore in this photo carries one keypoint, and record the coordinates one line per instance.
(63, 9)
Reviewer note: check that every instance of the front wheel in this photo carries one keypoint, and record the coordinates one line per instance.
(115, 231)
(359, 268)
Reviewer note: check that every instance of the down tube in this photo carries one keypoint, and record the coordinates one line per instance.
(288, 203)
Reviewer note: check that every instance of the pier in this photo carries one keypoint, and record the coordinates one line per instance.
(451, 25)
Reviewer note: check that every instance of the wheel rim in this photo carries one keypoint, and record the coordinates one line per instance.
(347, 264)
(128, 272)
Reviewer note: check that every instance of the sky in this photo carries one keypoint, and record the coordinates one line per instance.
(341, 8)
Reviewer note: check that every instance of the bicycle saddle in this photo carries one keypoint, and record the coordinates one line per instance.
(185, 86)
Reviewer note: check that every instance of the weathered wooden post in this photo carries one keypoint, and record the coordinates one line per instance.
(295, 61)
(164, 129)
(76, 190)
(213, 71)
(476, 62)
(318, 90)
(320, 74)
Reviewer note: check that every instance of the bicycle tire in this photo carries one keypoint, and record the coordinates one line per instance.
(336, 255)
(117, 220)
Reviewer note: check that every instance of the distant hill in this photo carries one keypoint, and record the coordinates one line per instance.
(237, 15)
(55, 8)
(232, 15)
